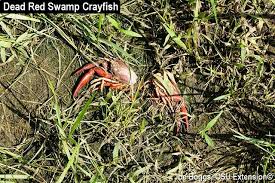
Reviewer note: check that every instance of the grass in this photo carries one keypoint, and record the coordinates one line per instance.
(220, 52)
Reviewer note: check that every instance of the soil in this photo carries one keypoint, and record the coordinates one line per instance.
(24, 90)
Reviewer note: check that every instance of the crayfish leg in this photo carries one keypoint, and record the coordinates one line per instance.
(112, 85)
(115, 85)
(185, 117)
(183, 110)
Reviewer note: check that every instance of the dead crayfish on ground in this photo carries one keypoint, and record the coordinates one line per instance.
(167, 90)
(114, 73)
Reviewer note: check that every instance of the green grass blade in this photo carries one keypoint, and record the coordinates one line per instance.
(14, 176)
(175, 38)
(21, 17)
(197, 9)
(142, 170)
(59, 123)
(6, 29)
(57, 108)
(264, 145)
(117, 25)
(22, 37)
(3, 54)
(116, 47)
(4, 151)
(5, 44)
(100, 23)
(130, 33)
(85, 28)
(216, 48)
(69, 164)
(212, 122)
(80, 116)
(243, 51)
(222, 97)
(116, 153)
(142, 125)
(214, 10)
(208, 140)
(114, 23)
(62, 33)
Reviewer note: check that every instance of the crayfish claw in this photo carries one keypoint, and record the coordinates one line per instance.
(84, 68)
(83, 81)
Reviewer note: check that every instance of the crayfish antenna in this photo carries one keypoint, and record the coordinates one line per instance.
(83, 81)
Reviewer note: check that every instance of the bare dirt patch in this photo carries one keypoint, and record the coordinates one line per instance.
(24, 90)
